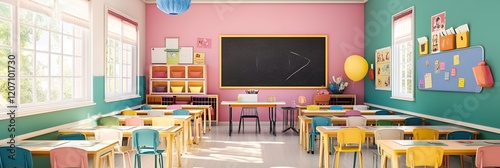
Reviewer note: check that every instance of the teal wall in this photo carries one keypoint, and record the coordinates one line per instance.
(478, 108)
(47, 120)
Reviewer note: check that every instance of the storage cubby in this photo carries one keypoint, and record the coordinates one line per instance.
(178, 79)
(159, 71)
(177, 72)
(195, 72)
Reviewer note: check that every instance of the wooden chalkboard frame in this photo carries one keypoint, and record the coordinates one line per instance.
(299, 74)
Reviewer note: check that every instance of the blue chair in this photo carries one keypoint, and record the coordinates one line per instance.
(413, 121)
(146, 142)
(458, 135)
(317, 121)
(22, 159)
(382, 112)
(108, 121)
(336, 107)
(145, 107)
(181, 112)
(75, 136)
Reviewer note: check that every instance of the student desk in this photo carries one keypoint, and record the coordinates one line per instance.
(168, 132)
(394, 148)
(325, 112)
(327, 132)
(323, 107)
(94, 149)
(192, 107)
(270, 105)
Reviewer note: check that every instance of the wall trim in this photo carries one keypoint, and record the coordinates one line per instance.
(446, 120)
(64, 126)
(265, 1)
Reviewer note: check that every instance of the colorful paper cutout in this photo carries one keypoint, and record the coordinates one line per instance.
(453, 71)
(461, 82)
(456, 59)
(442, 66)
(421, 84)
(428, 80)
(446, 75)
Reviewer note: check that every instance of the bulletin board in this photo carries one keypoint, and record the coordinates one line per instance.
(450, 70)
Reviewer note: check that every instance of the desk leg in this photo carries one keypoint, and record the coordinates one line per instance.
(210, 121)
(273, 109)
(230, 120)
(394, 160)
(169, 151)
(204, 120)
(301, 142)
(306, 135)
(321, 152)
(383, 160)
(326, 149)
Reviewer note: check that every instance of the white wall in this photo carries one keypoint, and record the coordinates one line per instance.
(135, 10)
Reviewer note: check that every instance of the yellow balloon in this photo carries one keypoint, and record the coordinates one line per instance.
(355, 67)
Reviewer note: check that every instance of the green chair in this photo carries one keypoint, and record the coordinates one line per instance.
(383, 123)
(317, 121)
(75, 136)
(146, 142)
(22, 159)
(108, 121)
(145, 107)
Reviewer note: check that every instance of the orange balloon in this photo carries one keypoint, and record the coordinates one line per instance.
(355, 67)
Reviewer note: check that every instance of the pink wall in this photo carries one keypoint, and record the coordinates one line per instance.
(343, 23)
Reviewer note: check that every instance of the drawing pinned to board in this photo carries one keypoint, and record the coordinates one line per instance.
(456, 59)
(428, 80)
(204, 43)
(446, 75)
(461, 82)
(172, 58)
(383, 69)
(438, 24)
(453, 71)
(199, 58)
(186, 55)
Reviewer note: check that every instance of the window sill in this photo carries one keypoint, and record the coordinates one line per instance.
(403, 98)
(28, 111)
(119, 98)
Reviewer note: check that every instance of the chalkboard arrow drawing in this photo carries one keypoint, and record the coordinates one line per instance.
(308, 61)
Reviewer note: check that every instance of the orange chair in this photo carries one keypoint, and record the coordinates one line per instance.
(322, 99)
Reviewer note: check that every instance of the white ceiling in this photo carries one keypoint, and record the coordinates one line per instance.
(270, 1)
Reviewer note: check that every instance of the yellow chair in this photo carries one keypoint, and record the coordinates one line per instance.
(312, 107)
(424, 156)
(350, 140)
(425, 134)
(129, 113)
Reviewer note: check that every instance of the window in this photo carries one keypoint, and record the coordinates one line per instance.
(121, 57)
(52, 54)
(402, 52)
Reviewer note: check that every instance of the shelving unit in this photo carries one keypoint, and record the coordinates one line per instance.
(174, 99)
(342, 99)
(178, 79)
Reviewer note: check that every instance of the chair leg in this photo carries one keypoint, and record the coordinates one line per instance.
(258, 123)
(239, 127)
(354, 160)
(360, 160)
(337, 159)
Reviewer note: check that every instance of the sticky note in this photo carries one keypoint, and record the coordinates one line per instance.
(441, 67)
(446, 75)
(453, 71)
(456, 59)
(428, 80)
(461, 82)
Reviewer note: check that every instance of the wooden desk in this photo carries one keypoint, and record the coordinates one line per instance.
(183, 120)
(270, 105)
(94, 149)
(324, 112)
(305, 121)
(167, 132)
(323, 107)
(408, 130)
(393, 148)
(192, 107)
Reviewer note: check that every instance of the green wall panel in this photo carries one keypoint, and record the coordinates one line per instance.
(478, 108)
(42, 121)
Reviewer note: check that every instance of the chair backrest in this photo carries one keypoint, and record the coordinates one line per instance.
(134, 121)
(487, 156)
(145, 138)
(460, 135)
(425, 134)
(353, 113)
(174, 107)
(360, 107)
(322, 99)
(22, 158)
(108, 121)
(312, 107)
(75, 136)
(382, 112)
(413, 121)
(320, 121)
(146, 107)
(108, 134)
(249, 111)
(389, 134)
(350, 136)
(424, 156)
(383, 123)
(336, 107)
(129, 113)
(162, 121)
(355, 121)
(63, 157)
(181, 112)
(156, 113)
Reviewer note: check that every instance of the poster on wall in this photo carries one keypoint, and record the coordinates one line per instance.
(438, 24)
(383, 69)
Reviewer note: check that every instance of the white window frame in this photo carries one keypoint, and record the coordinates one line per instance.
(67, 16)
(399, 65)
(134, 74)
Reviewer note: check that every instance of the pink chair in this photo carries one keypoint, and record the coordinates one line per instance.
(63, 157)
(353, 113)
(134, 121)
(174, 107)
(486, 156)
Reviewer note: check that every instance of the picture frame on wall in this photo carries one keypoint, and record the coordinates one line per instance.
(383, 68)
(171, 43)
(186, 55)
